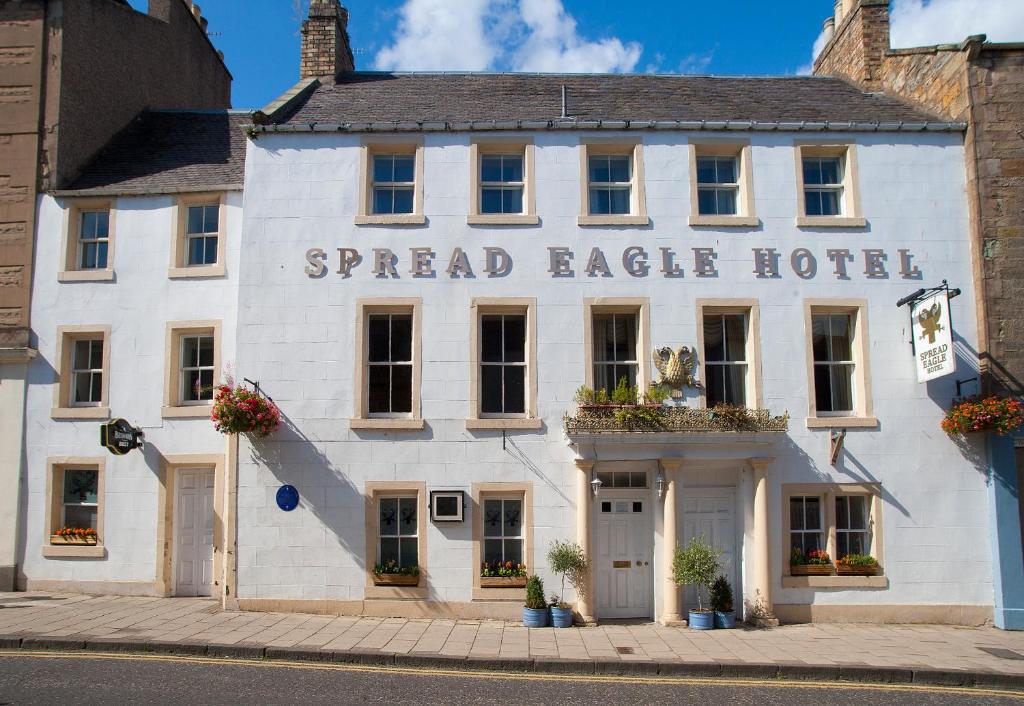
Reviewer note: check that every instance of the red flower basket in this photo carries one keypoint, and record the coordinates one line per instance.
(237, 410)
(1002, 415)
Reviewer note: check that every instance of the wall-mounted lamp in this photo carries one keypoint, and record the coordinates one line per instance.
(595, 486)
(660, 484)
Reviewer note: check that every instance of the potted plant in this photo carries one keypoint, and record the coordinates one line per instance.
(567, 559)
(535, 611)
(696, 566)
(814, 563)
(498, 574)
(997, 413)
(721, 603)
(75, 535)
(857, 565)
(239, 410)
(391, 574)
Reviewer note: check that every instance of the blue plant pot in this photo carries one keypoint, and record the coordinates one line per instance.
(535, 617)
(561, 617)
(702, 621)
(725, 620)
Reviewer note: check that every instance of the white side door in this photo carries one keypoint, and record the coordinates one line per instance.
(711, 513)
(623, 560)
(193, 532)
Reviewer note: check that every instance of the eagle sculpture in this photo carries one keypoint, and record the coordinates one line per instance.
(675, 368)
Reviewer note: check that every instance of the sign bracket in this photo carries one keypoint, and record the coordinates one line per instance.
(916, 296)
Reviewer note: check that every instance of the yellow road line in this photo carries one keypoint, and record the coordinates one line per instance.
(516, 676)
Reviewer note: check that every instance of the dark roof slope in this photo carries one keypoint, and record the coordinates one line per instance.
(167, 152)
(453, 97)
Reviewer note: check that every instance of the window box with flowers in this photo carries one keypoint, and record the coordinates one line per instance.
(391, 574)
(502, 575)
(858, 565)
(239, 410)
(75, 535)
(1002, 415)
(814, 563)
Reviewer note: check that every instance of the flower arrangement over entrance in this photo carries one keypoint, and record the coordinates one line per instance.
(239, 410)
(1002, 415)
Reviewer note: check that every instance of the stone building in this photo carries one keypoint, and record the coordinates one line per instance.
(981, 84)
(72, 75)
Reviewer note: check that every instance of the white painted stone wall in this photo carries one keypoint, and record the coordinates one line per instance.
(295, 335)
(137, 307)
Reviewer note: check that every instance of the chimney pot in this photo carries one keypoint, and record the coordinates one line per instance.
(196, 11)
(829, 29)
(838, 12)
(326, 50)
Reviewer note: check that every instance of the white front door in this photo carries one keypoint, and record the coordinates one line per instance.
(623, 561)
(193, 532)
(711, 512)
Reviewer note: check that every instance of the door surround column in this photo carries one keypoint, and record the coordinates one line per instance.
(760, 606)
(584, 507)
(670, 523)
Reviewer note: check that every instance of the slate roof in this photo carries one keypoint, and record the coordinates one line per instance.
(371, 97)
(170, 152)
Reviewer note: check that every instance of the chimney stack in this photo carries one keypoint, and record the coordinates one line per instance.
(325, 45)
(857, 46)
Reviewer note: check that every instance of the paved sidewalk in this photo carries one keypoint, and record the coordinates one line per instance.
(888, 652)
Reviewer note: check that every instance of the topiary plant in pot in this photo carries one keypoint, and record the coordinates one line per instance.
(721, 603)
(696, 566)
(567, 559)
(535, 612)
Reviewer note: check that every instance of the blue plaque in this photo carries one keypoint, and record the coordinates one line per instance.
(287, 498)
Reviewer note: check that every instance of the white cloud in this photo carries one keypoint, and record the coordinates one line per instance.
(477, 35)
(696, 63)
(916, 23)
(819, 44)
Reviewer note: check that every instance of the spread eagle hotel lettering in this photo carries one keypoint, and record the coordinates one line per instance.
(636, 261)
(933, 337)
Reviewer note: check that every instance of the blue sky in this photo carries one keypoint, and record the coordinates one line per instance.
(260, 38)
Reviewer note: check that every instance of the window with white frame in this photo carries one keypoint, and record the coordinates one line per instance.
(717, 185)
(93, 239)
(201, 234)
(806, 524)
(852, 525)
(614, 350)
(398, 531)
(80, 498)
(503, 364)
(502, 183)
(196, 368)
(610, 184)
(823, 185)
(503, 530)
(87, 372)
(389, 364)
(834, 367)
(394, 184)
(622, 479)
(725, 358)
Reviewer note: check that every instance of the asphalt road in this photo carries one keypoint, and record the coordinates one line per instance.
(90, 679)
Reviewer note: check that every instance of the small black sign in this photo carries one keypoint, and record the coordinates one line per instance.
(119, 437)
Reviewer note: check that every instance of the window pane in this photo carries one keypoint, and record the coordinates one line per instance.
(379, 331)
(383, 200)
(842, 388)
(714, 338)
(490, 339)
(605, 478)
(619, 201)
(625, 337)
(81, 486)
(388, 550)
(379, 390)
(404, 168)
(796, 513)
(490, 168)
(210, 256)
(407, 517)
(599, 202)
(401, 389)
(599, 169)
(205, 385)
(512, 518)
(823, 388)
(492, 551)
(83, 388)
(206, 350)
(812, 203)
(388, 516)
(401, 337)
(812, 171)
(514, 551)
(383, 168)
(96, 391)
(726, 170)
(408, 552)
(812, 513)
(196, 251)
(637, 479)
(515, 389)
(515, 339)
(830, 170)
(734, 384)
(211, 216)
(490, 201)
(88, 229)
(735, 337)
(403, 200)
(190, 351)
(490, 393)
(619, 168)
(512, 168)
(512, 200)
(858, 512)
(840, 337)
(101, 255)
(707, 205)
(819, 337)
(81, 355)
(842, 513)
(726, 202)
(81, 517)
(706, 170)
(195, 219)
(829, 201)
(858, 543)
(492, 518)
(715, 389)
(620, 480)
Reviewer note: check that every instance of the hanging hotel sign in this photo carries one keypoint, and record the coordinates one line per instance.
(119, 437)
(933, 336)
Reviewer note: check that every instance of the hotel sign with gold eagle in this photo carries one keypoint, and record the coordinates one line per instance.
(933, 336)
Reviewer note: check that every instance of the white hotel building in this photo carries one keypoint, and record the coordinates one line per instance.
(421, 270)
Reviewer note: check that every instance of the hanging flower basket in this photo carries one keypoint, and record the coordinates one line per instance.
(238, 410)
(997, 413)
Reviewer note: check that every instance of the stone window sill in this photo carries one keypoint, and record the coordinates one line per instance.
(841, 422)
(186, 411)
(613, 220)
(515, 423)
(417, 219)
(835, 582)
(80, 413)
(726, 221)
(57, 551)
(523, 219)
(85, 276)
(385, 424)
(830, 222)
(196, 272)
